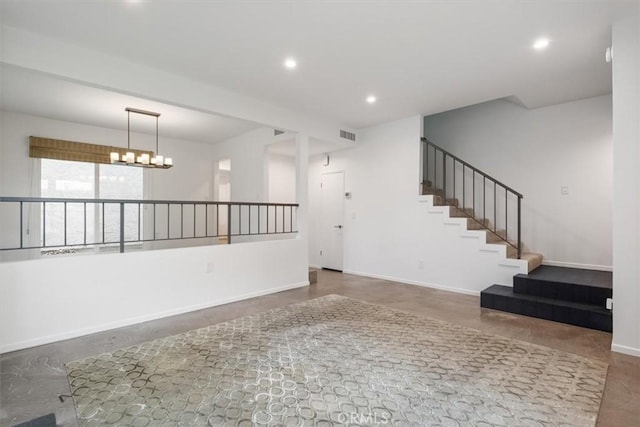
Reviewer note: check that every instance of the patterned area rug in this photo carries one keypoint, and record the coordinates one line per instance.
(336, 361)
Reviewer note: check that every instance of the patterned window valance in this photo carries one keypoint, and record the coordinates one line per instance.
(59, 149)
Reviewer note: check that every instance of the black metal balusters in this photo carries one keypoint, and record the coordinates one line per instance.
(427, 173)
(78, 230)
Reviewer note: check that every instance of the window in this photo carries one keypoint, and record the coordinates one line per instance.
(87, 223)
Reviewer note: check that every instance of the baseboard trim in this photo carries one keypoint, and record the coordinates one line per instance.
(414, 282)
(140, 319)
(625, 350)
(315, 266)
(577, 265)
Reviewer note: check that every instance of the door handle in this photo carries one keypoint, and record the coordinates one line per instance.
(337, 226)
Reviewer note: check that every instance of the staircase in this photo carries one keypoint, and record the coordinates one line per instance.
(493, 236)
(475, 195)
(567, 295)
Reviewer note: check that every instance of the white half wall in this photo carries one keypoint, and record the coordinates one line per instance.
(626, 186)
(389, 231)
(537, 152)
(48, 300)
(54, 298)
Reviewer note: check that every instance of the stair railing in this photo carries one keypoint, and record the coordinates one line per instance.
(448, 175)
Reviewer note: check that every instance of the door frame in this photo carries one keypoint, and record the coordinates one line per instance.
(342, 207)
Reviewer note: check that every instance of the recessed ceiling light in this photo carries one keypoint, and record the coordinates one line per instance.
(541, 43)
(290, 63)
(371, 99)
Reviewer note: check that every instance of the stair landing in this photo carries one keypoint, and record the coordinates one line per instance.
(567, 295)
(600, 279)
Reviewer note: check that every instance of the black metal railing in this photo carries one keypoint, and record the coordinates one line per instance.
(488, 202)
(46, 223)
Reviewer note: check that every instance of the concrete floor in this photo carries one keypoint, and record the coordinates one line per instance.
(33, 382)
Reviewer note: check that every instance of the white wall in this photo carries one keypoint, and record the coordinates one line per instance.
(281, 178)
(248, 157)
(536, 152)
(49, 300)
(391, 232)
(626, 180)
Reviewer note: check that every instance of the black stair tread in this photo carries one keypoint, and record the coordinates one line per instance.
(507, 291)
(576, 276)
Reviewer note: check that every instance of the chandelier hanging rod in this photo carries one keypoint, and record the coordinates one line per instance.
(145, 112)
(144, 160)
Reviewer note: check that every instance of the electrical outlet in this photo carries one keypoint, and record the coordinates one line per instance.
(564, 190)
(609, 304)
(420, 265)
(209, 267)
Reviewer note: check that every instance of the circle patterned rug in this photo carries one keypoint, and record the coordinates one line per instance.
(336, 361)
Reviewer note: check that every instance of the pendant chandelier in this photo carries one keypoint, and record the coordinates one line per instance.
(144, 160)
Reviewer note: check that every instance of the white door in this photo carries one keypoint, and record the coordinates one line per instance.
(332, 212)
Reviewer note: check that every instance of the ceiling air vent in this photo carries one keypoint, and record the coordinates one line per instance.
(277, 132)
(347, 135)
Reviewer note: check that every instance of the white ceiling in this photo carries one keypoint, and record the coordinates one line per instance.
(416, 57)
(30, 92)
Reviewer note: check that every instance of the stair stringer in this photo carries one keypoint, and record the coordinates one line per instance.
(493, 254)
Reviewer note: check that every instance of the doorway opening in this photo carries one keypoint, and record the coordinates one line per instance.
(332, 213)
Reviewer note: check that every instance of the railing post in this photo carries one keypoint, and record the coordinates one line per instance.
(453, 163)
(65, 223)
(425, 160)
(44, 224)
(506, 215)
(103, 223)
(444, 177)
(21, 221)
(519, 228)
(228, 224)
(435, 169)
(473, 195)
(121, 227)
(484, 198)
(84, 222)
(464, 186)
(426, 168)
(139, 222)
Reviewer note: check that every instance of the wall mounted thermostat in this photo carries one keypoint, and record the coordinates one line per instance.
(347, 195)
